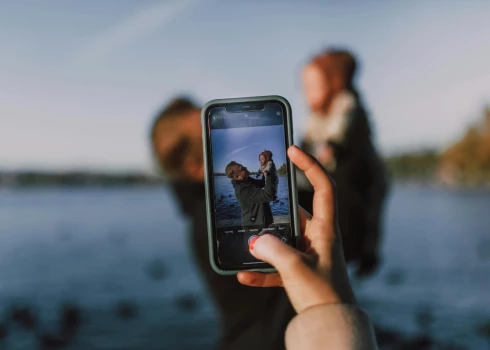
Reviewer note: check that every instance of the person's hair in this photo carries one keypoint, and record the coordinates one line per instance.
(339, 69)
(175, 109)
(267, 155)
(230, 170)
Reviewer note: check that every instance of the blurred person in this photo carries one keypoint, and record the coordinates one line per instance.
(250, 318)
(316, 279)
(339, 135)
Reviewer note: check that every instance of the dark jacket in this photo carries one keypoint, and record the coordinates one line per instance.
(250, 318)
(254, 201)
(361, 184)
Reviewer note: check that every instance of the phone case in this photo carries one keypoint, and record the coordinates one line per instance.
(209, 209)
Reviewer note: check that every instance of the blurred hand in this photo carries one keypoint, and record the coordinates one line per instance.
(317, 275)
(325, 155)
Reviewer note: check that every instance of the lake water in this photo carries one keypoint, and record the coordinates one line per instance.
(227, 206)
(96, 247)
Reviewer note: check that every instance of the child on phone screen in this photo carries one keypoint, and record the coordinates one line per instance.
(267, 166)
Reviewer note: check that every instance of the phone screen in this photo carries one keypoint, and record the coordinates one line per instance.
(250, 181)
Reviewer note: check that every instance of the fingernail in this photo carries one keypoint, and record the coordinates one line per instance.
(252, 242)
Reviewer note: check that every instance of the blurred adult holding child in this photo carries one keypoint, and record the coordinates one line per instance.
(339, 135)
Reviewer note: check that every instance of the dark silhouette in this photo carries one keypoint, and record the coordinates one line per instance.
(484, 329)
(70, 319)
(4, 330)
(423, 342)
(24, 316)
(386, 336)
(187, 302)
(49, 341)
(126, 309)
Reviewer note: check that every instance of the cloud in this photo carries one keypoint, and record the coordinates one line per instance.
(123, 33)
(241, 149)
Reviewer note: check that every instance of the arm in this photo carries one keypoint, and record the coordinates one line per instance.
(258, 182)
(340, 326)
(255, 195)
(268, 167)
(341, 117)
(335, 127)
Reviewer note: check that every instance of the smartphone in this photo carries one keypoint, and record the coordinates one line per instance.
(250, 182)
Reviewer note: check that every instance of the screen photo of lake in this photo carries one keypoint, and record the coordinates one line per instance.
(228, 212)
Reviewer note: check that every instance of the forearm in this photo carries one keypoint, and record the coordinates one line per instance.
(332, 326)
(258, 182)
(261, 195)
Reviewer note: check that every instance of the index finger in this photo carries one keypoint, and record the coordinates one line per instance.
(323, 199)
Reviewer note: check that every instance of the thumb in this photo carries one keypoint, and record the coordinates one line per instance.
(287, 260)
(303, 286)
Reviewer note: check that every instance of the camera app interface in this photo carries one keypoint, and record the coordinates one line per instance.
(250, 181)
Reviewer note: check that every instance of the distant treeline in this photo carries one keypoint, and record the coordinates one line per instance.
(419, 165)
(465, 162)
(280, 171)
(33, 178)
(283, 170)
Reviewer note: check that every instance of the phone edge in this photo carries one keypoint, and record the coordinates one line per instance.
(294, 191)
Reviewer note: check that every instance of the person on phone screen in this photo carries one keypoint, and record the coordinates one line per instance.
(249, 318)
(339, 135)
(254, 196)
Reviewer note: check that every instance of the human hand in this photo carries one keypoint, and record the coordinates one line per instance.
(318, 275)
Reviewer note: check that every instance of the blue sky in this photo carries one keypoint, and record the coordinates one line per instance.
(243, 145)
(81, 80)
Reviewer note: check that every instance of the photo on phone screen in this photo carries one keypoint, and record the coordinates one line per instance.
(251, 186)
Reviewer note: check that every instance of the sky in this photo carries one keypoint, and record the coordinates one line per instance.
(80, 81)
(243, 145)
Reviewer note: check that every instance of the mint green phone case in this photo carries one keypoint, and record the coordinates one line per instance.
(208, 177)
